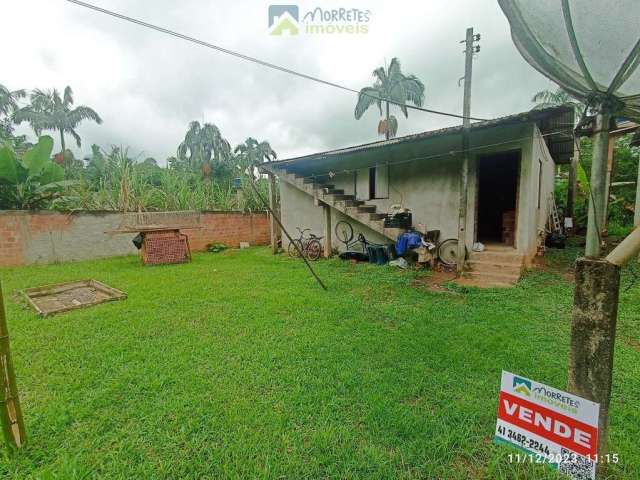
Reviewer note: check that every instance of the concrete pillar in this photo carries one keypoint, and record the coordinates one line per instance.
(597, 199)
(593, 332)
(275, 228)
(327, 231)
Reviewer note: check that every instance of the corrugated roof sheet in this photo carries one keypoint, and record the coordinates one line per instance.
(560, 118)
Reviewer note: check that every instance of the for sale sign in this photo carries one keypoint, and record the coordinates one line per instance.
(551, 425)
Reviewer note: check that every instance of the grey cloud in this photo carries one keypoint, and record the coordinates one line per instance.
(148, 86)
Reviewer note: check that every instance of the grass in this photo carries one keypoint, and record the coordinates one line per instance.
(239, 366)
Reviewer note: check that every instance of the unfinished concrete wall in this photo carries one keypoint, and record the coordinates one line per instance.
(48, 237)
(430, 187)
(537, 183)
(298, 210)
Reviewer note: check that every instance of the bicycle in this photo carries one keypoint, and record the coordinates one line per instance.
(310, 246)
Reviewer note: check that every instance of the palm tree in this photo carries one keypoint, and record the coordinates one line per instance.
(556, 98)
(252, 153)
(51, 111)
(9, 100)
(390, 86)
(8, 106)
(204, 148)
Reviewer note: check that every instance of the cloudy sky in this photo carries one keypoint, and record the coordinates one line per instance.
(148, 86)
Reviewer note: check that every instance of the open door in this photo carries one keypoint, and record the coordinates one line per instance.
(498, 179)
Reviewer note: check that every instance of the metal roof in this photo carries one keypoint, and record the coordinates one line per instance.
(556, 123)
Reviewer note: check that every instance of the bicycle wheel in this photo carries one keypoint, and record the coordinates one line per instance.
(314, 249)
(344, 231)
(292, 250)
(448, 252)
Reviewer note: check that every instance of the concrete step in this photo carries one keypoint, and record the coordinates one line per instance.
(367, 208)
(495, 267)
(377, 216)
(501, 256)
(338, 197)
(391, 232)
(353, 203)
(492, 277)
(331, 191)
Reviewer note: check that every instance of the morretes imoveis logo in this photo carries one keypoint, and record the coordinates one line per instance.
(285, 20)
(522, 386)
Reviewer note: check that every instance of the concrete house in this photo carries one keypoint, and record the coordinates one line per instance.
(511, 175)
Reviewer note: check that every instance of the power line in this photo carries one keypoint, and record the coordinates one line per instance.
(414, 159)
(255, 60)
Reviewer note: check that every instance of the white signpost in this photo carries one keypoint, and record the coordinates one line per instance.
(549, 425)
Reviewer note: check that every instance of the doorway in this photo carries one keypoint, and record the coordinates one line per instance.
(498, 177)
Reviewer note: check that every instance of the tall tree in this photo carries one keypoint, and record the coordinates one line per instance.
(390, 86)
(51, 111)
(204, 148)
(8, 106)
(252, 153)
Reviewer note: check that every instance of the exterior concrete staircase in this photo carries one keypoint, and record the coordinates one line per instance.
(325, 192)
(497, 266)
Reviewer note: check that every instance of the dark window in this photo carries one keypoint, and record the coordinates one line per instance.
(372, 183)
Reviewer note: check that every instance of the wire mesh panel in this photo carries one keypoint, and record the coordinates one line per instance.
(160, 248)
(142, 221)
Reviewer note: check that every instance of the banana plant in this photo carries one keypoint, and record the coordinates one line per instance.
(30, 181)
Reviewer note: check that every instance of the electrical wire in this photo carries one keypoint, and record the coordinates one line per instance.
(413, 159)
(257, 60)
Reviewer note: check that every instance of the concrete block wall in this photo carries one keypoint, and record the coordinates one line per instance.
(48, 237)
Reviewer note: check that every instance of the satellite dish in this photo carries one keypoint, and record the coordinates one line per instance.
(591, 48)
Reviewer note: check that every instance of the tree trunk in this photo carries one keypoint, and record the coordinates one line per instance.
(387, 136)
(62, 142)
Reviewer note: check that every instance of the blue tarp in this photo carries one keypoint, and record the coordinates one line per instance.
(407, 241)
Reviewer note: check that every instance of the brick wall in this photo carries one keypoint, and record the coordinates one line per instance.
(47, 237)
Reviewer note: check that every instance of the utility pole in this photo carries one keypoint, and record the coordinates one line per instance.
(469, 50)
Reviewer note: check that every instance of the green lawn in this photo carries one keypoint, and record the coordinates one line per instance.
(239, 366)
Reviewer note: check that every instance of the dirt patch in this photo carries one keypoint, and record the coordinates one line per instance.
(436, 282)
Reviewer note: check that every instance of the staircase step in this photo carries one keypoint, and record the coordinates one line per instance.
(327, 187)
(339, 197)
(377, 216)
(500, 256)
(338, 191)
(493, 277)
(392, 232)
(495, 267)
(353, 203)
(367, 208)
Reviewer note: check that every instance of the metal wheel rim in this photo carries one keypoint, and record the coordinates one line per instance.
(293, 252)
(448, 252)
(314, 250)
(344, 231)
